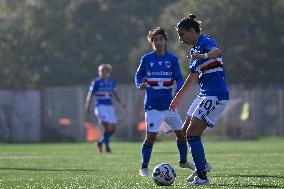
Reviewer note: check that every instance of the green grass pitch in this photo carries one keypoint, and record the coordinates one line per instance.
(248, 164)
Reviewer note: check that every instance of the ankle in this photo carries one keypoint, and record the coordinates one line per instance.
(202, 174)
(144, 166)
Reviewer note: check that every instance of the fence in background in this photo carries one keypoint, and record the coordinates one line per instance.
(57, 113)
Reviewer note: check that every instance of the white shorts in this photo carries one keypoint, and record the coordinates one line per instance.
(154, 119)
(207, 107)
(105, 113)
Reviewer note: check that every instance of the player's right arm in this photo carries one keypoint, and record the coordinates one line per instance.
(87, 103)
(89, 97)
(190, 80)
(140, 83)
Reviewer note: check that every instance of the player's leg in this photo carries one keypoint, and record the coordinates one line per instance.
(153, 121)
(146, 152)
(112, 124)
(189, 127)
(174, 121)
(208, 167)
(194, 132)
(185, 125)
(98, 113)
(108, 120)
(110, 131)
(205, 115)
(106, 135)
(102, 112)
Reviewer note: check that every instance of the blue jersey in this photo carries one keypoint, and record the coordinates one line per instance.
(159, 72)
(211, 71)
(102, 90)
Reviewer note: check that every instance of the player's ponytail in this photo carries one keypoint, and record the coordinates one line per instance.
(190, 22)
(192, 16)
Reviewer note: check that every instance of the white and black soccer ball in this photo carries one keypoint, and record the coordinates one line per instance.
(164, 174)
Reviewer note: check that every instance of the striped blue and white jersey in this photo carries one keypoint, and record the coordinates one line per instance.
(102, 90)
(159, 72)
(211, 71)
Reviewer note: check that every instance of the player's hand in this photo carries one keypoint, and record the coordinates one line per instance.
(174, 104)
(196, 56)
(87, 110)
(123, 105)
(143, 85)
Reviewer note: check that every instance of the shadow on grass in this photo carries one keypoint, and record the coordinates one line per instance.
(250, 176)
(47, 169)
(245, 185)
(248, 185)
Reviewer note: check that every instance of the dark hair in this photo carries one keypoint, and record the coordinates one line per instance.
(156, 31)
(190, 22)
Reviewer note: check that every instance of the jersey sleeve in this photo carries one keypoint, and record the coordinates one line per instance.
(208, 44)
(192, 64)
(140, 73)
(93, 87)
(177, 74)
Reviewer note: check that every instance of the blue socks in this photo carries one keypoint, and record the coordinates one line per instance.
(147, 151)
(146, 154)
(105, 139)
(197, 152)
(182, 148)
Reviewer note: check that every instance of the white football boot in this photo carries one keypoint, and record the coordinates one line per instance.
(190, 178)
(199, 182)
(188, 164)
(144, 172)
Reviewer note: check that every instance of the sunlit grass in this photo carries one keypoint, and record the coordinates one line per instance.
(249, 164)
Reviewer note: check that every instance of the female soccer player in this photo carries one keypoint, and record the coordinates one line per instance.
(207, 67)
(156, 74)
(103, 87)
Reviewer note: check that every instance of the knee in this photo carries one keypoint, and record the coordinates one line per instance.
(181, 137)
(193, 131)
(150, 140)
(193, 138)
(112, 130)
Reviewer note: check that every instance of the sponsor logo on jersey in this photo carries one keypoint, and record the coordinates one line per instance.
(160, 73)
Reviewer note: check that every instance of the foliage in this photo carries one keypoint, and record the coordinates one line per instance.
(250, 34)
(63, 42)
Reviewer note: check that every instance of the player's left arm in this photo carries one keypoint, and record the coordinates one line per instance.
(92, 89)
(116, 96)
(118, 99)
(213, 51)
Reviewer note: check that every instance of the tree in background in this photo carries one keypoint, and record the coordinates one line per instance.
(250, 34)
(63, 42)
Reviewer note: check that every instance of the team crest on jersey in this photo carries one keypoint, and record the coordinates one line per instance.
(168, 64)
(160, 82)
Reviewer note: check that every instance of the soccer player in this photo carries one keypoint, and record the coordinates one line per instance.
(206, 66)
(103, 88)
(156, 75)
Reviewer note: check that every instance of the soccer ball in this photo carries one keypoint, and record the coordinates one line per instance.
(164, 174)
